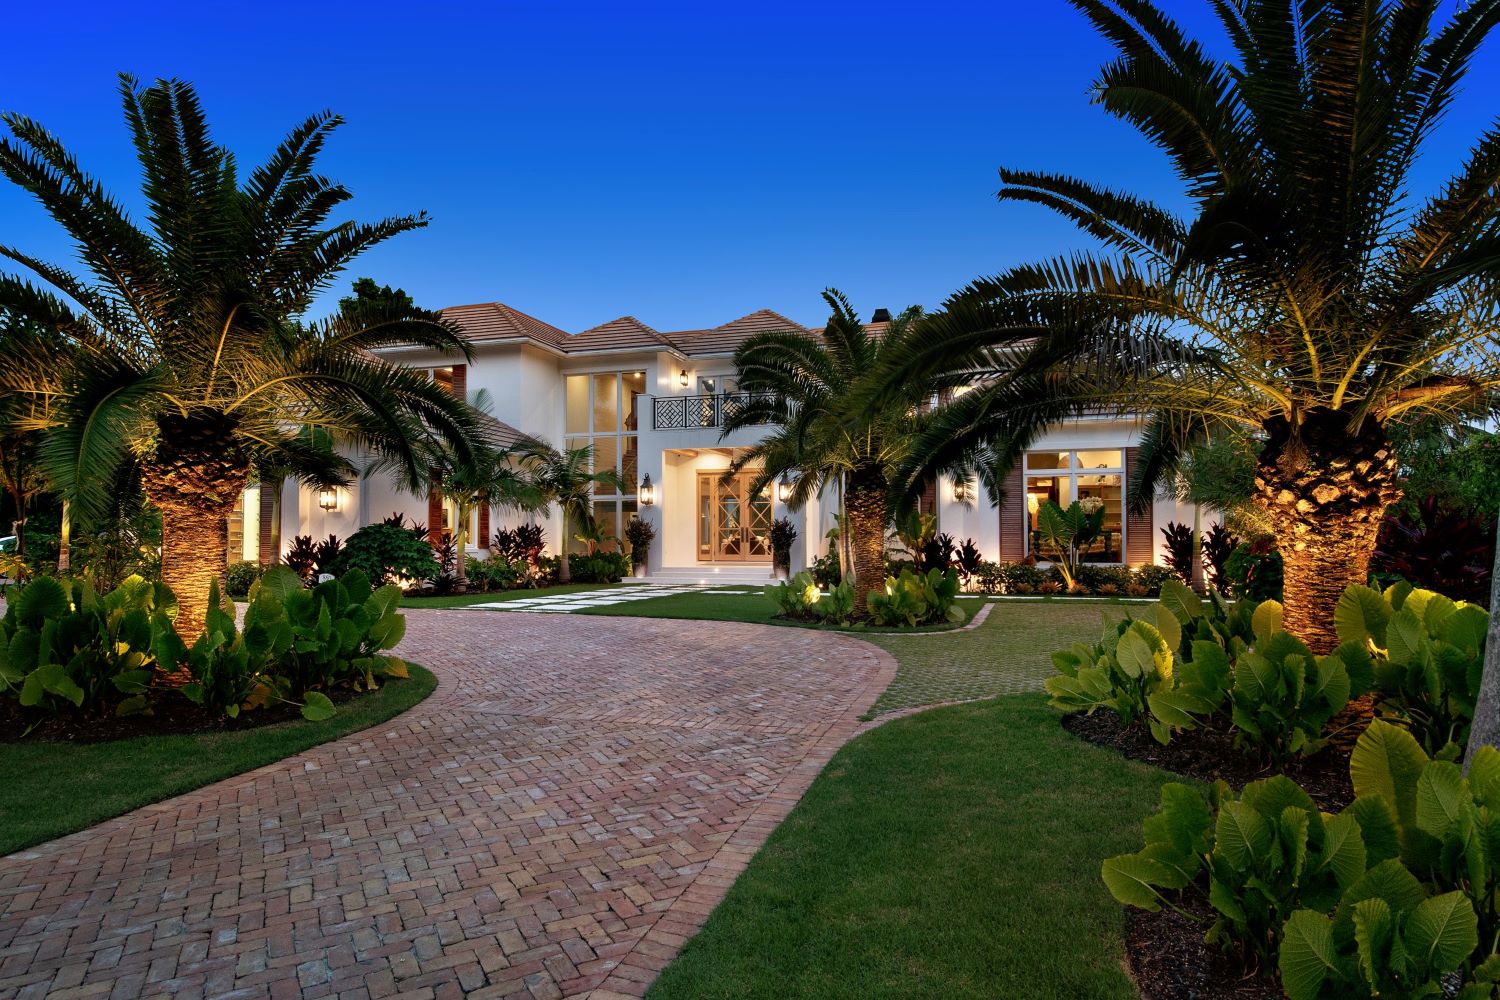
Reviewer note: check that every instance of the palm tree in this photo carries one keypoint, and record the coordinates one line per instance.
(809, 389)
(184, 356)
(566, 478)
(1304, 299)
(487, 477)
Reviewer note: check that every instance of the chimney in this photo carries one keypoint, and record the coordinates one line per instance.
(881, 316)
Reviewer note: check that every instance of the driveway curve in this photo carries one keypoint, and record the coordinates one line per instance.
(554, 821)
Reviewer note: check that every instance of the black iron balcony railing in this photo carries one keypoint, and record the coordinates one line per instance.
(683, 412)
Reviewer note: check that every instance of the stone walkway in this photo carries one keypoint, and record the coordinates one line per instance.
(578, 600)
(556, 820)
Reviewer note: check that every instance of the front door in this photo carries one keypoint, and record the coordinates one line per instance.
(734, 524)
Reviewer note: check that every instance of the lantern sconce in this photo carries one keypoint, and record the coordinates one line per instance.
(647, 492)
(682, 378)
(960, 491)
(784, 489)
(328, 498)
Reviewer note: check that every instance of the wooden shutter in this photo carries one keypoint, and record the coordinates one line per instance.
(1013, 517)
(435, 508)
(461, 381)
(928, 502)
(267, 514)
(484, 526)
(1140, 541)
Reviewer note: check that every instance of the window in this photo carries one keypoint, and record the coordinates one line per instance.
(602, 412)
(1065, 476)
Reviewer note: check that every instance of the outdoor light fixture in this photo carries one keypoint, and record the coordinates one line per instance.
(784, 489)
(328, 498)
(682, 378)
(648, 492)
(960, 491)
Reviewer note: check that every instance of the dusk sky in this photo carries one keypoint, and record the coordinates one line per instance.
(682, 163)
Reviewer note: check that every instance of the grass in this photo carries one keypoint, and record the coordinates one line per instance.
(466, 600)
(731, 604)
(953, 853)
(53, 789)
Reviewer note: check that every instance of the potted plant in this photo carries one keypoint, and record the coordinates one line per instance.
(783, 534)
(640, 534)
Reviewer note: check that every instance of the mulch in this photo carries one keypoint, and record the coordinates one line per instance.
(1165, 951)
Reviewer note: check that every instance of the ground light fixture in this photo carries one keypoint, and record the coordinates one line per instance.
(328, 498)
(647, 493)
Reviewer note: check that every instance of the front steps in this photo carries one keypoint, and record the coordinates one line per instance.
(711, 575)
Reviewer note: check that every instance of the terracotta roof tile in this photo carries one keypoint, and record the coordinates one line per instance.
(624, 333)
(725, 339)
(488, 321)
(497, 432)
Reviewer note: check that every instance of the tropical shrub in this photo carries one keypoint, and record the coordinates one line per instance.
(640, 534)
(1095, 578)
(600, 567)
(335, 634)
(796, 597)
(1013, 576)
(1218, 544)
(940, 552)
(493, 573)
(1130, 663)
(302, 557)
(837, 606)
(1437, 548)
(445, 551)
(1426, 655)
(62, 644)
(388, 552)
(521, 547)
(783, 535)
(326, 556)
(228, 665)
(1071, 533)
(968, 561)
(1152, 578)
(240, 577)
(1179, 538)
(1253, 570)
(914, 599)
(1284, 695)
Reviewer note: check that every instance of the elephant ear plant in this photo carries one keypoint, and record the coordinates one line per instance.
(62, 645)
(1071, 533)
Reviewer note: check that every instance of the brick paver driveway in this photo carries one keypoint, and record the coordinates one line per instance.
(555, 820)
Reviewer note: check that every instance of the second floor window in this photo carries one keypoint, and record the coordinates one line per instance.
(603, 412)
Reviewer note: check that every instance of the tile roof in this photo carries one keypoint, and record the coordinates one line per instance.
(487, 321)
(618, 334)
(497, 432)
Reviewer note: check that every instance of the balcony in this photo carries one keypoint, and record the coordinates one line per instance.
(671, 413)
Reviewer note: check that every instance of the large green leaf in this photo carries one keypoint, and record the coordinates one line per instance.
(1308, 957)
(1178, 598)
(1407, 636)
(1387, 761)
(1343, 851)
(1242, 836)
(1484, 776)
(1183, 823)
(1373, 927)
(278, 582)
(1442, 932)
(1442, 797)
(1361, 613)
(1266, 621)
(317, 707)
(1130, 878)
(39, 600)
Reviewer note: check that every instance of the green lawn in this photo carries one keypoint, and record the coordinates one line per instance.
(728, 604)
(953, 853)
(56, 788)
(465, 600)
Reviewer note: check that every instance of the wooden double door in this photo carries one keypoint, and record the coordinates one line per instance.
(734, 523)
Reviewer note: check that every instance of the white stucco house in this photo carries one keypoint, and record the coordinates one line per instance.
(651, 403)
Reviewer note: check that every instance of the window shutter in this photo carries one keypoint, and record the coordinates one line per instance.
(484, 526)
(266, 514)
(1013, 517)
(928, 502)
(435, 508)
(461, 381)
(1140, 541)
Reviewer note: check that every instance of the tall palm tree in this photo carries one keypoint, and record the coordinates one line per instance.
(566, 478)
(487, 477)
(184, 355)
(1304, 297)
(809, 389)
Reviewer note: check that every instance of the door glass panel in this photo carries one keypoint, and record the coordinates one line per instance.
(705, 518)
(760, 523)
(731, 525)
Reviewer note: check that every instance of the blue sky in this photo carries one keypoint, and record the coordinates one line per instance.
(683, 163)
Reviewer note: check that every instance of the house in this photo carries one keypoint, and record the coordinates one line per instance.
(652, 403)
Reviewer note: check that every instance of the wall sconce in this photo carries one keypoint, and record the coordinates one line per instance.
(647, 492)
(961, 491)
(682, 378)
(784, 489)
(328, 498)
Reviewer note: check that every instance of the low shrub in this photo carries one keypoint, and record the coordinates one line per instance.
(240, 577)
(1283, 695)
(640, 534)
(301, 557)
(1437, 548)
(387, 553)
(601, 567)
(968, 561)
(800, 599)
(64, 647)
(1253, 571)
(1218, 543)
(1179, 539)
(914, 599)
(1152, 577)
(1094, 578)
(783, 536)
(1425, 654)
(825, 568)
(493, 573)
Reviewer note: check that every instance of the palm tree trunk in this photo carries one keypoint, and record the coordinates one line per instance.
(1486, 728)
(461, 543)
(865, 520)
(194, 553)
(563, 572)
(1325, 492)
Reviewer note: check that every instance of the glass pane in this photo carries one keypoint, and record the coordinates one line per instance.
(760, 523)
(633, 389)
(578, 404)
(630, 461)
(443, 377)
(1112, 459)
(705, 517)
(577, 442)
(606, 458)
(606, 404)
(1049, 459)
(606, 514)
(731, 527)
(1039, 490)
(1110, 489)
(708, 386)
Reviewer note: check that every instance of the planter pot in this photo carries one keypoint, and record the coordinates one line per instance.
(639, 571)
